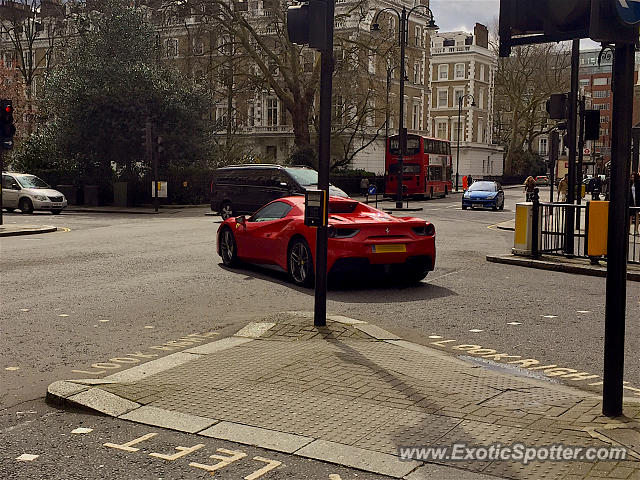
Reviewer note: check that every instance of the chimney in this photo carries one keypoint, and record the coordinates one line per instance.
(482, 35)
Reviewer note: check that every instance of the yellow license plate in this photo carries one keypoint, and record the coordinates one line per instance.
(390, 248)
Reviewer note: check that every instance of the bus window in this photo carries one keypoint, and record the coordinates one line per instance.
(407, 168)
(435, 173)
(413, 145)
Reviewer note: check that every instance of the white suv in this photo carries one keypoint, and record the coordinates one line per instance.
(29, 193)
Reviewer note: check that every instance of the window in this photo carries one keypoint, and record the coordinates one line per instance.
(221, 116)
(482, 72)
(392, 25)
(273, 211)
(272, 112)
(601, 106)
(481, 98)
(443, 98)
(443, 72)
(601, 81)
(441, 129)
(460, 70)
(418, 37)
(600, 93)
(251, 115)
(455, 133)
(416, 73)
(29, 59)
(198, 46)
(584, 82)
(604, 118)
(480, 136)
(416, 117)
(458, 93)
(171, 47)
(542, 148)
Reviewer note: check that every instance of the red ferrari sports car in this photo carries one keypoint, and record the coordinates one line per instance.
(360, 237)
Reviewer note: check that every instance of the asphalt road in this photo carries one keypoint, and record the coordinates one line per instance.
(108, 289)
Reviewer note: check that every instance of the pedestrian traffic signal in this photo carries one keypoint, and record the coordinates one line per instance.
(307, 24)
(525, 22)
(7, 128)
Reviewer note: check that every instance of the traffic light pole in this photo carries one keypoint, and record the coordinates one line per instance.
(324, 149)
(617, 237)
(581, 107)
(571, 134)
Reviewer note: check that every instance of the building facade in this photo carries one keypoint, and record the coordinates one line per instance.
(461, 82)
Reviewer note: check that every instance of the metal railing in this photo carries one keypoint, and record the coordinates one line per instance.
(552, 225)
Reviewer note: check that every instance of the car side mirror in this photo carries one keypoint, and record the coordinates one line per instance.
(241, 220)
(15, 186)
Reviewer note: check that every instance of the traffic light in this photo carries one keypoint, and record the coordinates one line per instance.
(7, 128)
(591, 124)
(557, 106)
(544, 21)
(159, 144)
(307, 24)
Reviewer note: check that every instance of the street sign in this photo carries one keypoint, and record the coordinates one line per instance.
(162, 190)
(628, 10)
(372, 189)
(586, 151)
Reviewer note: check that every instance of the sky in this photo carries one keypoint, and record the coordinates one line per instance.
(462, 15)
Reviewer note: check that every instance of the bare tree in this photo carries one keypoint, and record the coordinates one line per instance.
(523, 83)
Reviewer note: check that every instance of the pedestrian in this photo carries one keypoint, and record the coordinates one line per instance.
(465, 182)
(529, 186)
(563, 188)
(596, 187)
(469, 180)
(364, 186)
(634, 201)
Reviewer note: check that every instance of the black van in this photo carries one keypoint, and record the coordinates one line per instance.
(240, 189)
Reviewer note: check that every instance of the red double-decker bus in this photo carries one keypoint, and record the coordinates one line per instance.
(426, 167)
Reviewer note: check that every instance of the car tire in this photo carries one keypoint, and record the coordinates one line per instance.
(464, 207)
(446, 191)
(502, 205)
(25, 205)
(495, 207)
(228, 247)
(226, 210)
(56, 211)
(10, 210)
(300, 263)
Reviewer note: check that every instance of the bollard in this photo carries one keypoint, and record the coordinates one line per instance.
(535, 224)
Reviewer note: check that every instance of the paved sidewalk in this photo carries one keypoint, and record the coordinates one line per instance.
(352, 394)
(13, 229)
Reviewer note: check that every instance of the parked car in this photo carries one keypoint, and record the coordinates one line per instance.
(28, 193)
(360, 237)
(542, 181)
(483, 194)
(243, 189)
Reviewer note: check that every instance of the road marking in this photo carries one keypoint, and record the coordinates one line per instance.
(549, 316)
(476, 330)
(271, 464)
(234, 456)
(24, 309)
(63, 315)
(435, 336)
(550, 370)
(514, 323)
(63, 229)
(81, 430)
(104, 321)
(126, 447)
(27, 457)
(584, 311)
(334, 476)
(12, 369)
(182, 451)
(149, 326)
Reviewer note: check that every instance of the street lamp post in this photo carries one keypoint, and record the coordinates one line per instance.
(473, 104)
(403, 37)
(390, 69)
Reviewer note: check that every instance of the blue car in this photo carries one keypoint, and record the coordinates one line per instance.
(483, 194)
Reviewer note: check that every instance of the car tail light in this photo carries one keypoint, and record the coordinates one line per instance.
(426, 230)
(342, 232)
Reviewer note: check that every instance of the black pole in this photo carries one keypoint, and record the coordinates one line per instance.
(553, 159)
(571, 194)
(580, 157)
(1, 170)
(636, 149)
(458, 146)
(401, 131)
(324, 148)
(617, 239)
